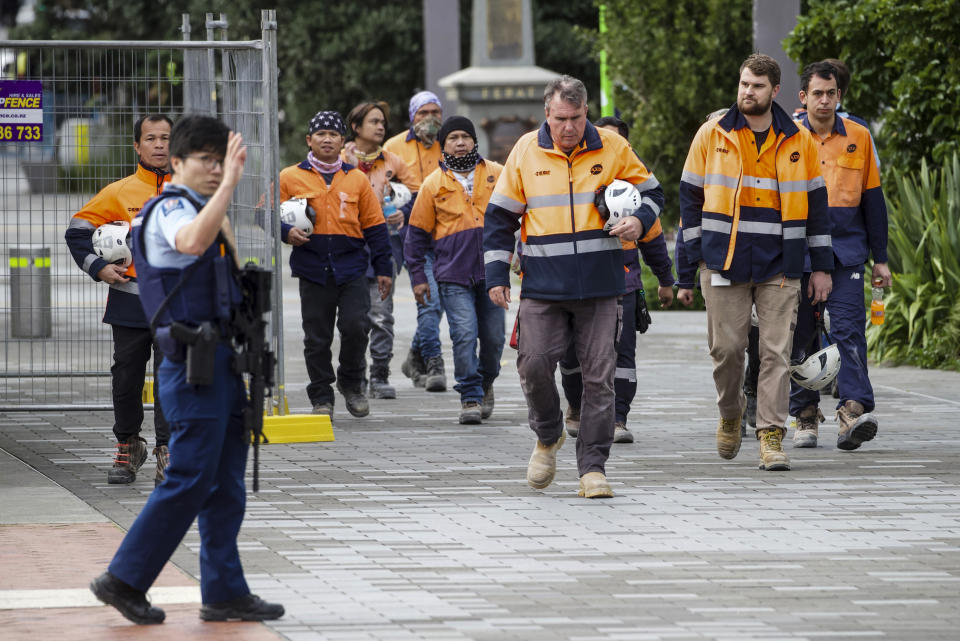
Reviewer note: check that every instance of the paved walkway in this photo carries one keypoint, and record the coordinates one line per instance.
(410, 526)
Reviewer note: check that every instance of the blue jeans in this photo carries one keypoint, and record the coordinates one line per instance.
(426, 340)
(472, 316)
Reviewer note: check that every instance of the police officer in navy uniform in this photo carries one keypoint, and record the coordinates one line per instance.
(183, 245)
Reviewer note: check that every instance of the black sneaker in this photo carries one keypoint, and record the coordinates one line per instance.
(162, 454)
(356, 402)
(128, 460)
(128, 601)
(249, 607)
(486, 405)
(470, 413)
(436, 380)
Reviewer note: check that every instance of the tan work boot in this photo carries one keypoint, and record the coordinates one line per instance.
(855, 426)
(543, 463)
(808, 420)
(772, 458)
(621, 434)
(728, 437)
(593, 485)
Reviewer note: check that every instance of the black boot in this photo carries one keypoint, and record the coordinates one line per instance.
(130, 602)
(249, 607)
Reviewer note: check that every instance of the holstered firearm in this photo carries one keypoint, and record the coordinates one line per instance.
(254, 356)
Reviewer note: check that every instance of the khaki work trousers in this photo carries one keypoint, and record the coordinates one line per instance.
(728, 326)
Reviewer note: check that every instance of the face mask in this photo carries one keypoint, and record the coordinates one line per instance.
(463, 163)
(427, 129)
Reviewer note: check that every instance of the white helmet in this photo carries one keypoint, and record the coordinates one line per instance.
(111, 243)
(401, 194)
(299, 214)
(621, 199)
(817, 371)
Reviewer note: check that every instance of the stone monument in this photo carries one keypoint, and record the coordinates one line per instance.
(502, 89)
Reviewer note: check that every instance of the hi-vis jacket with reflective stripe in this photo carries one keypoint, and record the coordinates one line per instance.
(549, 197)
(120, 200)
(749, 214)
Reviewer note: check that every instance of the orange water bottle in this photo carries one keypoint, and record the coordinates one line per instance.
(877, 305)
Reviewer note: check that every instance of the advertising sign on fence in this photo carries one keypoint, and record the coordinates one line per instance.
(21, 111)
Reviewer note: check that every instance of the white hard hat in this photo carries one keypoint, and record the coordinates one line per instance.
(401, 194)
(621, 200)
(299, 214)
(111, 243)
(817, 371)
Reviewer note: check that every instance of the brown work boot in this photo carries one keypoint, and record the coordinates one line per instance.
(855, 426)
(772, 457)
(593, 485)
(162, 454)
(621, 434)
(728, 437)
(808, 420)
(543, 463)
(128, 460)
(572, 421)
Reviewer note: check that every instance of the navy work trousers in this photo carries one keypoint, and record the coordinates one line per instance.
(848, 317)
(208, 457)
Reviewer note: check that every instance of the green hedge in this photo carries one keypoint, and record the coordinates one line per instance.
(922, 324)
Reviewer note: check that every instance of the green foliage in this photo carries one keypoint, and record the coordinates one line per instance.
(672, 62)
(650, 284)
(922, 318)
(905, 67)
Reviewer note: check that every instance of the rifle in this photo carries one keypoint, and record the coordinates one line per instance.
(254, 356)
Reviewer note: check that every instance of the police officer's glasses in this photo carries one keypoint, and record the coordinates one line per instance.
(209, 162)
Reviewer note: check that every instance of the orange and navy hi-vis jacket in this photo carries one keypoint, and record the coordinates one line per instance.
(857, 207)
(752, 214)
(447, 218)
(349, 218)
(120, 200)
(549, 196)
(421, 160)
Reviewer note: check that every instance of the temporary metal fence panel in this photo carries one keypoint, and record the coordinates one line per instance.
(55, 353)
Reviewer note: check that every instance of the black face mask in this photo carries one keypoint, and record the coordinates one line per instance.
(462, 163)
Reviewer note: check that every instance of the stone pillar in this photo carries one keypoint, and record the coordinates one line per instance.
(441, 47)
(773, 20)
(502, 89)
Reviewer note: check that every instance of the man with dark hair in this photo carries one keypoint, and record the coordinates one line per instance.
(572, 271)
(417, 147)
(119, 202)
(859, 216)
(753, 209)
(331, 261)
(448, 216)
(184, 247)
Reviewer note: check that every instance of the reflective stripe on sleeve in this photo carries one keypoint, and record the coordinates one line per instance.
(648, 184)
(495, 255)
(511, 205)
(130, 287)
(820, 241)
(691, 178)
(646, 200)
(689, 233)
(793, 233)
(80, 223)
(88, 261)
(719, 179)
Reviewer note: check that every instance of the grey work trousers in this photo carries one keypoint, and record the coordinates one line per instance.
(381, 325)
(546, 328)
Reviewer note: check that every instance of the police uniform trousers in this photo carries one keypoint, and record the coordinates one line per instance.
(132, 347)
(546, 328)
(205, 480)
(848, 313)
(625, 375)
